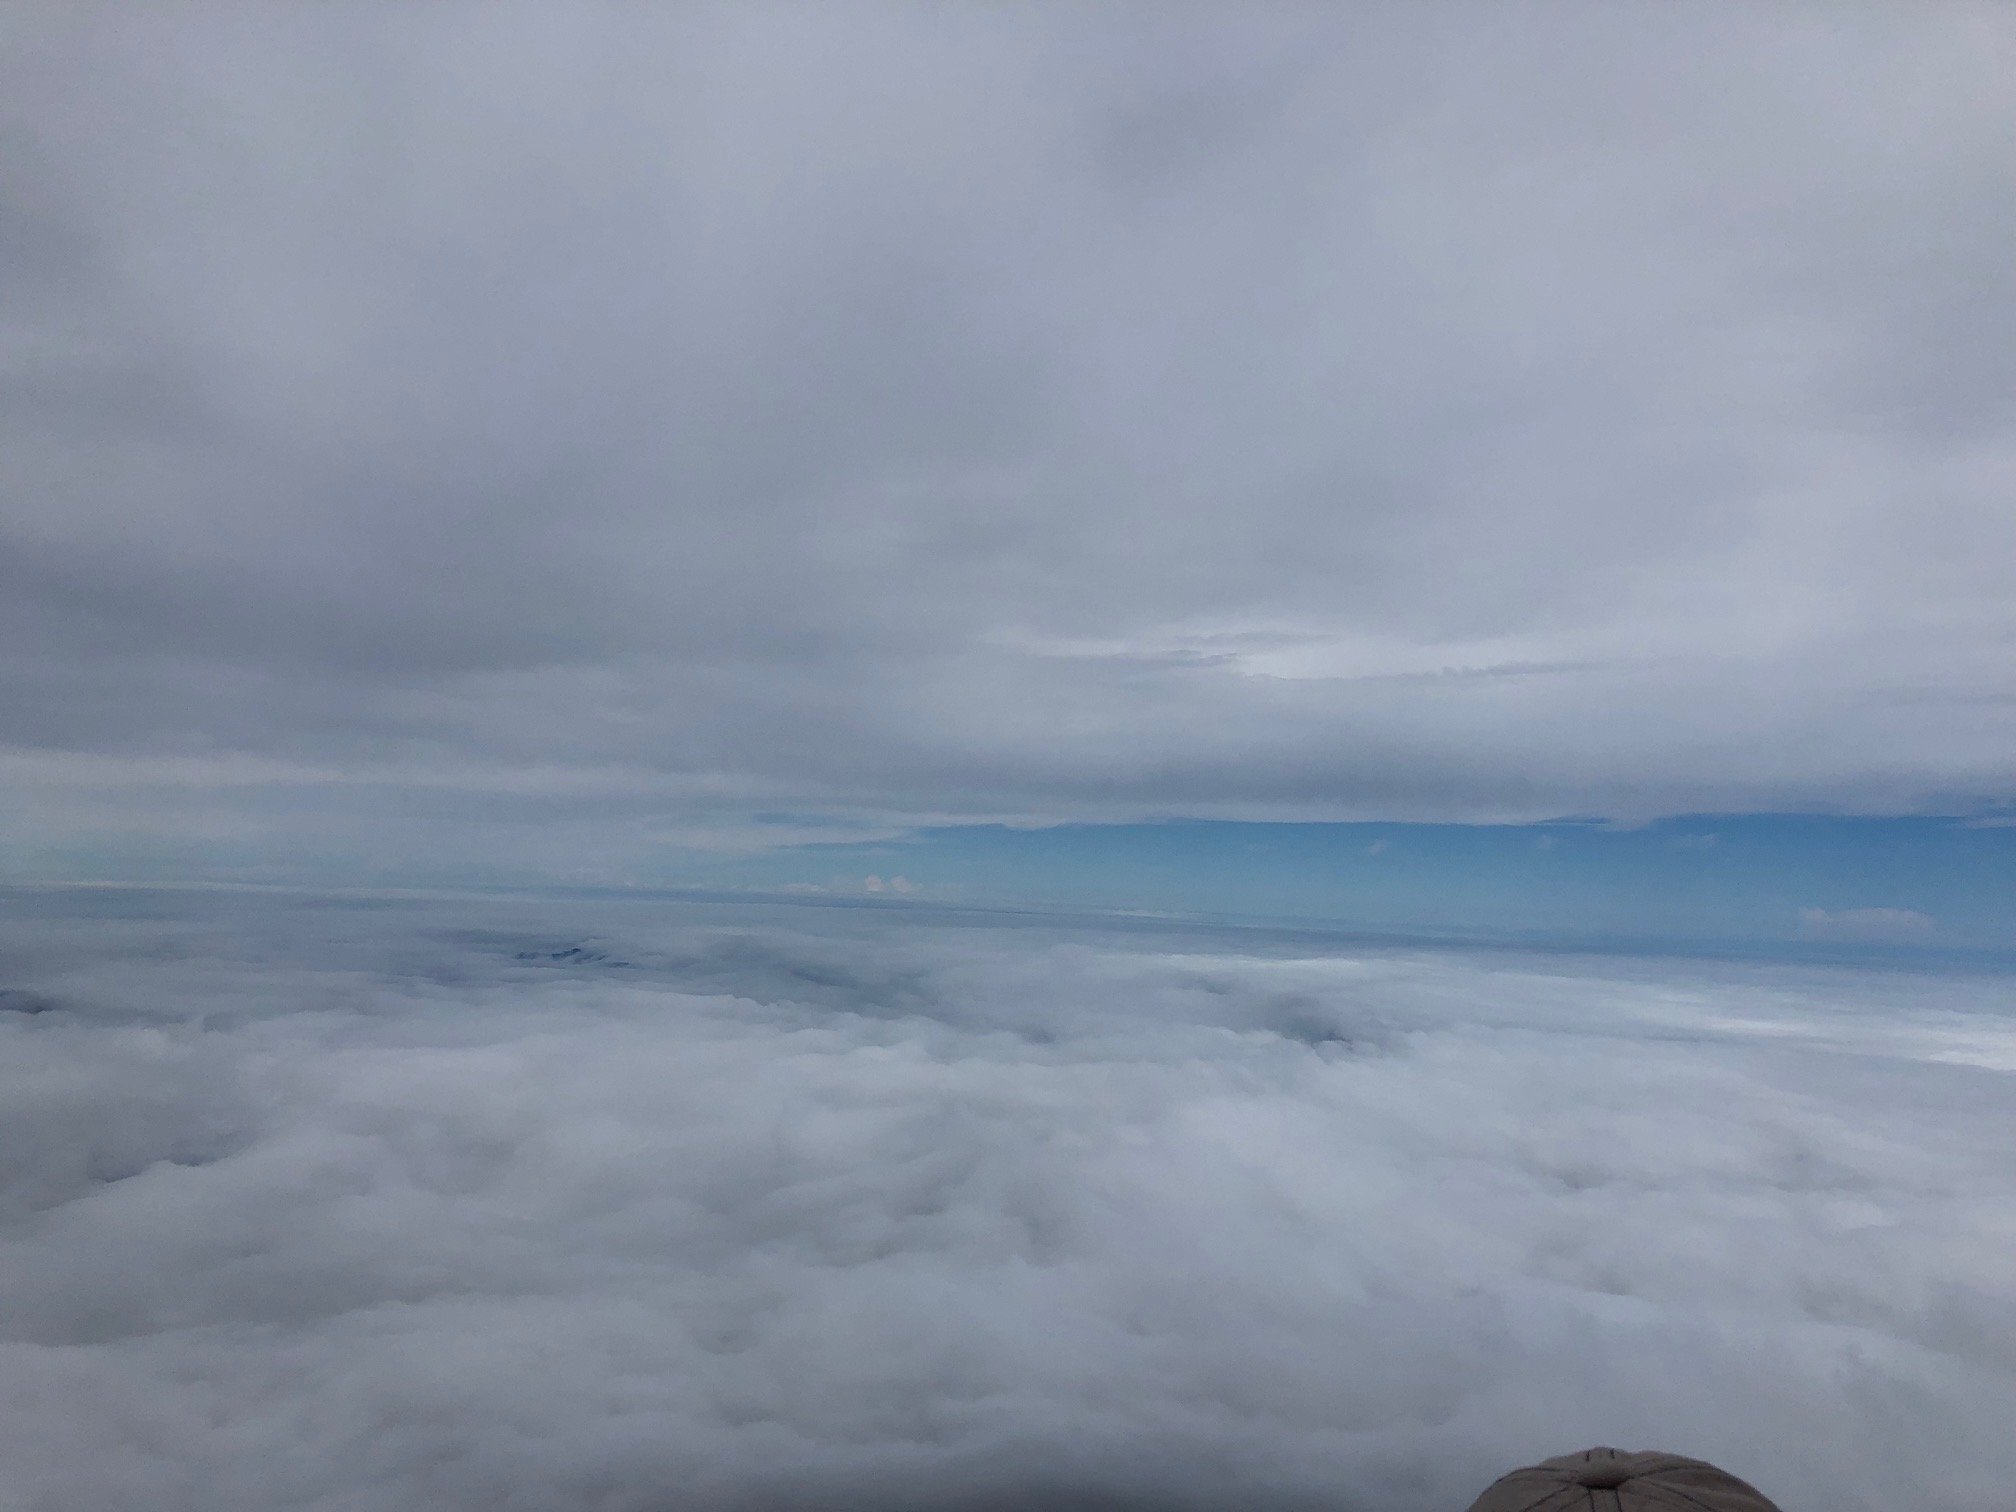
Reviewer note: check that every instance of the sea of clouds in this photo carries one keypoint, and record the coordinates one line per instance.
(379, 1205)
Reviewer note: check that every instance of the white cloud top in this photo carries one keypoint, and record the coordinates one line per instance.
(556, 1207)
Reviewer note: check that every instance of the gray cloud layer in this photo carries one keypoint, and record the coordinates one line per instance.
(897, 412)
(360, 1208)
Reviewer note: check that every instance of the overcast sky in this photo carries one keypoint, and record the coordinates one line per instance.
(659, 420)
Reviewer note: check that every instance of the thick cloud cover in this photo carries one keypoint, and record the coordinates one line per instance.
(368, 1207)
(565, 414)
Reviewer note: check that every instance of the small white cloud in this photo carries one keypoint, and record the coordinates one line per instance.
(1696, 842)
(1377, 847)
(876, 884)
(1545, 842)
(1866, 923)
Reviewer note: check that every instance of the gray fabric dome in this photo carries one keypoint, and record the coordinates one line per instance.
(1613, 1480)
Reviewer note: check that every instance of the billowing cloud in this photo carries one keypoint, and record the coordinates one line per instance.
(384, 1206)
(425, 425)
